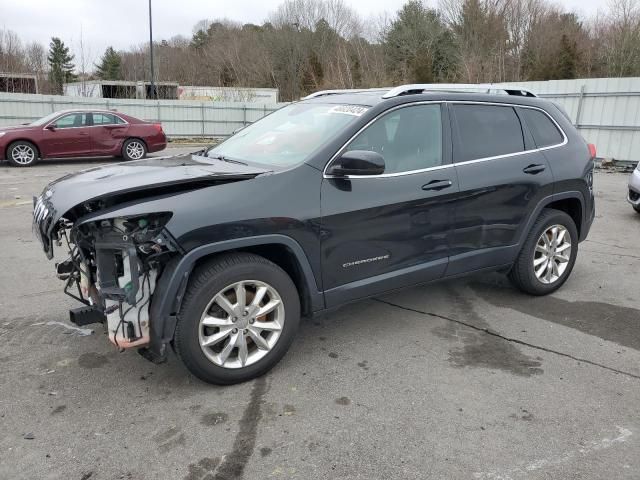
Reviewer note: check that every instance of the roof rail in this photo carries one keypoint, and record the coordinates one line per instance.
(457, 87)
(322, 93)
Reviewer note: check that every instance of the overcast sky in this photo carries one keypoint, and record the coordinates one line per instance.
(122, 23)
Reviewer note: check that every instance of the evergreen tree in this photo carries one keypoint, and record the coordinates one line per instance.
(416, 45)
(60, 66)
(199, 39)
(445, 57)
(568, 59)
(109, 67)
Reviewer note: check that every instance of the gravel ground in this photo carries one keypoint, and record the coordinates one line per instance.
(464, 379)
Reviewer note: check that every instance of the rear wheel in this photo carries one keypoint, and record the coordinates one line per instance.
(22, 154)
(548, 254)
(239, 317)
(134, 149)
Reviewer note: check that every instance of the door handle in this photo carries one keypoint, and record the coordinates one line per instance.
(533, 169)
(437, 185)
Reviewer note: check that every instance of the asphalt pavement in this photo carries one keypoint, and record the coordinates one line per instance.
(464, 379)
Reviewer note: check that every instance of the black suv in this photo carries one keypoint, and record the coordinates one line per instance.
(341, 196)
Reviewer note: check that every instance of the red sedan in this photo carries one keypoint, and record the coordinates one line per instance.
(80, 133)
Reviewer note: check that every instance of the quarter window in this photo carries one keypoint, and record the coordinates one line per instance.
(409, 138)
(72, 120)
(544, 132)
(487, 131)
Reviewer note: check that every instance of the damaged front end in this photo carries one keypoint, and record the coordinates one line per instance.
(114, 222)
(112, 268)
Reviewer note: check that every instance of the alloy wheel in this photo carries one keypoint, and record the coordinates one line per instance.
(23, 154)
(241, 324)
(552, 254)
(135, 150)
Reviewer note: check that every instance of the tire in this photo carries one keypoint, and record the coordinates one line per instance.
(134, 149)
(523, 273)
(636, 208)
(214, 279)
(22, 154)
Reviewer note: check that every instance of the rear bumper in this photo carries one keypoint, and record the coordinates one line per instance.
(157, 146)
(633, 195)
(586, 228)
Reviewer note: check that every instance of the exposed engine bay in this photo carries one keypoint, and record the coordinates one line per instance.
(112, 268)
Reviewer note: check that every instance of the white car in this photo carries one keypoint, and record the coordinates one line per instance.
(634, 189)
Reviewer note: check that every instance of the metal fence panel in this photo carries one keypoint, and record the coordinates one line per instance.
(180, 118)
(605, 110)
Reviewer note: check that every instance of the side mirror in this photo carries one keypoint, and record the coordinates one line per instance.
(357, 162)
(51, 127)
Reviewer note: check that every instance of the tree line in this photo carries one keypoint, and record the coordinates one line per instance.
(308, 45)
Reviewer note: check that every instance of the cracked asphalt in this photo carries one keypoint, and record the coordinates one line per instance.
(464, 379)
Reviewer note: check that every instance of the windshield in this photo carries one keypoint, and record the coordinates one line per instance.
(289, 135)
(47, 119)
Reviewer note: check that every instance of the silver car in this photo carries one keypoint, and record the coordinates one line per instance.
(634, 189)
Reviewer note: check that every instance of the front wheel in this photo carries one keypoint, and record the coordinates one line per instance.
(239, 317)
(548, 254)
(134, 149)
(22, 154)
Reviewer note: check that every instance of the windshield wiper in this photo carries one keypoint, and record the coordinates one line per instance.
(227, 159)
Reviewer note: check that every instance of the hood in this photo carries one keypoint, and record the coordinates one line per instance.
(127, 181)
(16, 128)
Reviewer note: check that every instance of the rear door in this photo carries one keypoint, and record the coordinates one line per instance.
(503, 176)
(390, 230)
(108, 133)
(67, 136)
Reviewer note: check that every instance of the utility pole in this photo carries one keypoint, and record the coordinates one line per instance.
(153, 84)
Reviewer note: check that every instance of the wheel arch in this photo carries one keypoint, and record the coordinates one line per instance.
(572, 206)
(571, 202)
(280, 249)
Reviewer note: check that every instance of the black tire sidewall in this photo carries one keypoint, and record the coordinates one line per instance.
(186, 338)
(16, 144)
(532, 283)
(124, 149)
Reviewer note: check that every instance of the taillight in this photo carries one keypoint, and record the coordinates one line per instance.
(592, 150)
(158, 127)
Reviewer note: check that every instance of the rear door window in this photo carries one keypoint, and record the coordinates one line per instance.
(486, 131)
(542, 128)
(106, 119)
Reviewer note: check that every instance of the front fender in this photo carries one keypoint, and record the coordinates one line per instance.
(172, 284)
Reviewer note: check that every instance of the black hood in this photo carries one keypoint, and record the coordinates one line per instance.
(87, 191)
(153, 175)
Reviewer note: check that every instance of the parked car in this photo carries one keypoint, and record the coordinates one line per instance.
(634, 189)
(336, 198)
(80, 133)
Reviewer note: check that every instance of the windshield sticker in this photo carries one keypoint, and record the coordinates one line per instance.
(355, 110)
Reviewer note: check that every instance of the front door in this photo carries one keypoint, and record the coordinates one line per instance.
(503, 177)
(390, 230)
(67, 136)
